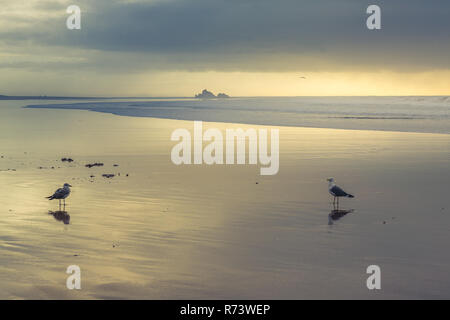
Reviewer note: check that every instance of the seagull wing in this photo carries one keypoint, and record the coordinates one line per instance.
(59, 194)
(338, 192)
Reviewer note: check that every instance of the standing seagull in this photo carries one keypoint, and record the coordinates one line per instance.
(61, 194)
(337, 192)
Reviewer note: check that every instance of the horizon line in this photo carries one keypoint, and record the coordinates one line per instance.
(55, 97)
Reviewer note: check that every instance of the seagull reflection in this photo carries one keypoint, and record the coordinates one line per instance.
(62, 216)
(336, 214)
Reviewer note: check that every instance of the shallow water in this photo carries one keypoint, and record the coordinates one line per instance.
(407, 114)
(167, 231)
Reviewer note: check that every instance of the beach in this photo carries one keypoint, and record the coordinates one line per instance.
(161, 231)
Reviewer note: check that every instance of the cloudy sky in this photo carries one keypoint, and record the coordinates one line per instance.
(242, 47)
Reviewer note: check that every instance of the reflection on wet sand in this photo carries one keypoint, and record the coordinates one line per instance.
(62, 216)
(336, 214)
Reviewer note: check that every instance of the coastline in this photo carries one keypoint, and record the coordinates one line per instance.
(352, 113)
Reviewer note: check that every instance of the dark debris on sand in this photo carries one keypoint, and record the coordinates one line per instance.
(97, 164)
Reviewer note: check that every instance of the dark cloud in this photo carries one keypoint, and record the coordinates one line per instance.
(255, 35)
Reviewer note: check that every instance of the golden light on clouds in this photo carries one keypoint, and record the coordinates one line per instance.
(293, 84)
(234, 83)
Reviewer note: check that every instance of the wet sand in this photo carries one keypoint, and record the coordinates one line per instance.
(213, 232)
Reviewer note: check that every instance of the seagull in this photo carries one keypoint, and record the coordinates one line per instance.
(61, 194)
(337, 192)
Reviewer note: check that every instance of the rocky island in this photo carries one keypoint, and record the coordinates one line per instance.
(209, 95)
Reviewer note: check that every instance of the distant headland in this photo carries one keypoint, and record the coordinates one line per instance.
(209, 95)
(3, 97)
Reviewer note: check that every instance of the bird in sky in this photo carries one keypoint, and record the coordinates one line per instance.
(61, 194)
(336, 191)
